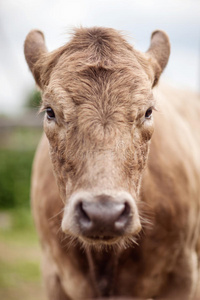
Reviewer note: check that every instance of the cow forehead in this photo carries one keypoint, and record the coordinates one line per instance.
(100, 57)
(90, 82)
(101, 70)
(95, 89)
(98, 93)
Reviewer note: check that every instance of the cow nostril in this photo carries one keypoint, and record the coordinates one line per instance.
(126, 210)
(124, 217)
(82, 215)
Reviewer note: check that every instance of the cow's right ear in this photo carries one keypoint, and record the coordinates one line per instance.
(35, 51)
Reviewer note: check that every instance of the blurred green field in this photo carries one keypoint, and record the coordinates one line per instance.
(20, 255)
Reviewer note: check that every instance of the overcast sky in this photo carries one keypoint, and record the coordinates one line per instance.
(179, 18)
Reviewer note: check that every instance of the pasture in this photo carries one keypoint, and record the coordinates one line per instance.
(20, 276)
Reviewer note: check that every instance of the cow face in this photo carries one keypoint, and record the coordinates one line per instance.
(97, 95)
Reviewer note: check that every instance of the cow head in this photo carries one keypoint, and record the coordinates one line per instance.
(97, 95)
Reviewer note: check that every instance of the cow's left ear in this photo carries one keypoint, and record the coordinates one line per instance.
(158, 54)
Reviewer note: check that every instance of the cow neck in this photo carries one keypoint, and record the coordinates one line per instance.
(103, 267)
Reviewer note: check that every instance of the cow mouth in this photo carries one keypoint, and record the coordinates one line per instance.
(100, 238)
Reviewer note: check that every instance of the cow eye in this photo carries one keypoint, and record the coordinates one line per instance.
(148, 113)
(50, 113)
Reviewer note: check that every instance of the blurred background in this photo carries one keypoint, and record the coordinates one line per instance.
(21, 127)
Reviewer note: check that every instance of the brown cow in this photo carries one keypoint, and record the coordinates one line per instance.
(113, 224)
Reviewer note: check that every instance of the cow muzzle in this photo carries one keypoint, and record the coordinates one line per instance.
(101, 218)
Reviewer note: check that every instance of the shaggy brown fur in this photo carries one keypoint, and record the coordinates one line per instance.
(100, 89)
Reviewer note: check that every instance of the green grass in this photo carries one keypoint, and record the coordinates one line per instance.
(20, 257)
(20, 253)
(20, 228)
(15, 173)
(13, 274)
(16, 157)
